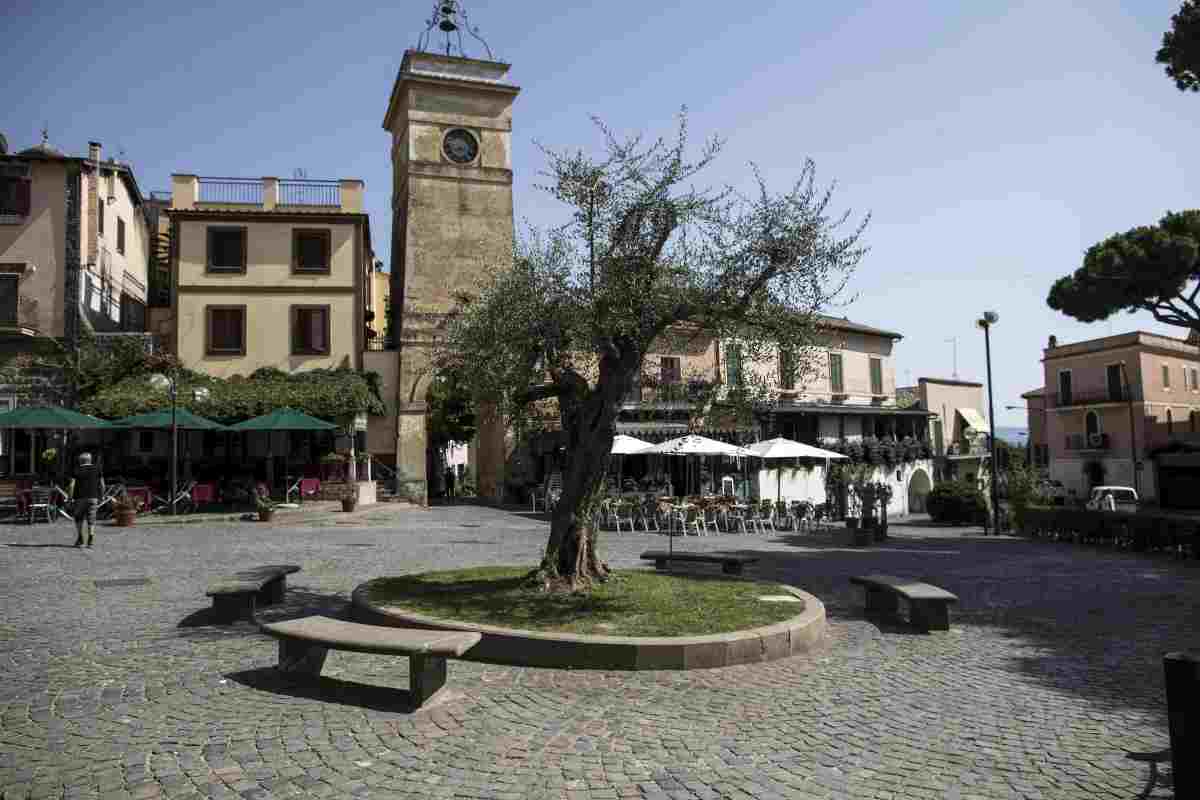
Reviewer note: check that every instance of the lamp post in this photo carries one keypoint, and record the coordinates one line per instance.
(986, 322)
(1132, 433)
(170, 383)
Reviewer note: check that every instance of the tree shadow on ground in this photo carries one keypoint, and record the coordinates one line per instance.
(298, 601)
(1085, 620)
(329, 690)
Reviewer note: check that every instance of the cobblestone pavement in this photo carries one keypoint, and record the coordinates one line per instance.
(117, 688)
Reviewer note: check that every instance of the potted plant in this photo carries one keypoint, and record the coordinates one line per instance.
(125, 509)
(350, 498)
(265, 506)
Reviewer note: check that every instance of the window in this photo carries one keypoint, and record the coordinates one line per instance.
(8, 299)
(120, 236)
(1192, 421)
(100, 216)
(877, 376)
(1170, 422)
(226, 249)
(1166, 376)
(1064, 387)
(14, 197)
(310, 251)
(835, 373)
(226, 331)
(733, 365)
(310, 330)
(1113, 374)
(787, 369)
(146, 441)
(1091, 424)
(1195, 375)
(668, 370)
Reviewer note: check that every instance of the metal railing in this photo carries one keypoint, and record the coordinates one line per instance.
(1087, 397)
(309, 193)
(1083, 441)
(667, 394)
(246, 191)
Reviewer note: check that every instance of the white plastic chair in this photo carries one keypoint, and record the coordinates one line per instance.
(621, 513)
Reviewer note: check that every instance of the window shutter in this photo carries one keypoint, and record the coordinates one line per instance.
(316, 329)
(24, 198)
(100, 216)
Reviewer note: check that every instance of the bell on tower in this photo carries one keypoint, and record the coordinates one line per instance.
(450, 17)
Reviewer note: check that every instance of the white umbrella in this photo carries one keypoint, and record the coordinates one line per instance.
(623, 446)
(627, 445)
(693, 445)
(786, 448)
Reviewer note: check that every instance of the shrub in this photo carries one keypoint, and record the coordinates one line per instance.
(957, 502)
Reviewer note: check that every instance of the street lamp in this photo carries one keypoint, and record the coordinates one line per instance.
(986, 322)
(169, 382)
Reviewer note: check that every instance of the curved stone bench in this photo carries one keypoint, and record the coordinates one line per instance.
(304, 643)
(238, 595)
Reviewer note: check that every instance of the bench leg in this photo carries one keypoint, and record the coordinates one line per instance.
(882, 602)
(273, 592)
(301, 658)
(930, 616)
(731, 568)
(426, 677)
(232, 607)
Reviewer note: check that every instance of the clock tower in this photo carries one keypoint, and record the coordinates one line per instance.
(450, 119)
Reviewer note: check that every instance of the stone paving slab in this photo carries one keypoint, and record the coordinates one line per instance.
(1052, 672)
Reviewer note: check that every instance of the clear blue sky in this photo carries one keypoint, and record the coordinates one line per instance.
(993, 142)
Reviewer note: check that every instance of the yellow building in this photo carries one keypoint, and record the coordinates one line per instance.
(269, 273)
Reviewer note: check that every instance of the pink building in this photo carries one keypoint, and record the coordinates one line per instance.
(1110, 403)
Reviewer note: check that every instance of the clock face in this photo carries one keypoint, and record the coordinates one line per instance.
(460, 146)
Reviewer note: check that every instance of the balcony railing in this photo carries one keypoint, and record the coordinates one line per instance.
(1094, 396)
(668, 394)
(309, 193)
(242, 191)
(1083, 441)
(380, 344)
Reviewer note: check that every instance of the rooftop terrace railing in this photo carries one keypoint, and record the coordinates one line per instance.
(242, 191)
(309, 193)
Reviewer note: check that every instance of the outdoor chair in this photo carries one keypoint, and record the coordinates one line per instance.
(622, 514)
(40, 501)
(689, 517)
(712, 518)
(735, 518)
(766, 513)
(784, 515)
(537, 494)
(647, 514)
(727, 486)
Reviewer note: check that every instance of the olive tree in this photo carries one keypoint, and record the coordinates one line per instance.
(644, 255)
(1180, 51)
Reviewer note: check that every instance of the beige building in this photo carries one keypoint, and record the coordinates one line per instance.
(268, 273)
(1112, 402)
(450, 121)
(73, 246)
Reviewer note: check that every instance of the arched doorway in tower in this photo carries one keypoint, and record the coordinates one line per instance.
(918, 489)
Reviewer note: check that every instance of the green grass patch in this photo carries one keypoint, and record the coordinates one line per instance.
(631, 603)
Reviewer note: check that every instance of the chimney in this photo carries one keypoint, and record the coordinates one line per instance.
(94, 151)
(1053, 342)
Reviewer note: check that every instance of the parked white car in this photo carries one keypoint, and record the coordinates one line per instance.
(1125, 497)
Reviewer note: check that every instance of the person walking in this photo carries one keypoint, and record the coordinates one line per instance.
(450, 482)
(86, 489)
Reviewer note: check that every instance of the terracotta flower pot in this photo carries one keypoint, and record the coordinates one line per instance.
(266, 515)
(349, 504)
(124, 519)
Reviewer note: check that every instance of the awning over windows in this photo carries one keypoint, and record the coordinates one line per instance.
(973, 419)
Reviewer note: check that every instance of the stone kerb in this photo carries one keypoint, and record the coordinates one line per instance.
(513, 647)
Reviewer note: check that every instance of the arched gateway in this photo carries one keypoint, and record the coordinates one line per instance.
(918, 489)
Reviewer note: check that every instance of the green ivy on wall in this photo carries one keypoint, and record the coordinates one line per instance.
(326, 393)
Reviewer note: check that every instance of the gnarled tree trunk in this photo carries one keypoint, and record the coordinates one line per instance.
(589, 418)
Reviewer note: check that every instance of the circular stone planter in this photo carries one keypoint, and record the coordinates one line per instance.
(524, 648)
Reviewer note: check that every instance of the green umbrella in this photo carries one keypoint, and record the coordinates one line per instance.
(184, 420)
(284, 419)
(49, 417)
